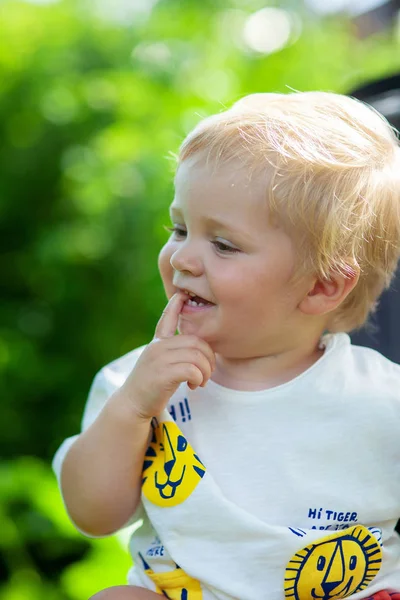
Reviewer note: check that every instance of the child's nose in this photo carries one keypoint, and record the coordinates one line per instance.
(186, 258)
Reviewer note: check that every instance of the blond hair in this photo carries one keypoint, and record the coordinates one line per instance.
(335, 184)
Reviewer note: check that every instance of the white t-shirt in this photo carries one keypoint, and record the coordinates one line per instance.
(290, 492)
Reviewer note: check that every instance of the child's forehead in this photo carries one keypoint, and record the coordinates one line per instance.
(196, 172)
(225, 195)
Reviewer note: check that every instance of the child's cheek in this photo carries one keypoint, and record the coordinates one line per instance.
(165, 268)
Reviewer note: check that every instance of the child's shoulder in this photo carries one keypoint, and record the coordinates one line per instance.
(118, 370)
(107, 381)
(372, 373)
(360, 368)
(373, 362)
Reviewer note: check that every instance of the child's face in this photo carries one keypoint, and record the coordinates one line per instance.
(254, 306)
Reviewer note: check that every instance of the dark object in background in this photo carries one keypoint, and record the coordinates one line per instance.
(378, 18)
(384, 95)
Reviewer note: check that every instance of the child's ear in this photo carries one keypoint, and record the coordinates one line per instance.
(326, 295)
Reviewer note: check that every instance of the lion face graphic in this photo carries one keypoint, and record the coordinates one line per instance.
(171, 470)
(334, 567)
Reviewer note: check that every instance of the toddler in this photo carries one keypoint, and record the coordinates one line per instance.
(258, 448)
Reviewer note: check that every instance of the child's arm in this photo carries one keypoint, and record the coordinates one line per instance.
(101, 473)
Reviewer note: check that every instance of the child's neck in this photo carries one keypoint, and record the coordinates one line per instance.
(253, 374)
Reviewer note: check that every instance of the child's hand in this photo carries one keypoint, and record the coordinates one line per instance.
(166, 362)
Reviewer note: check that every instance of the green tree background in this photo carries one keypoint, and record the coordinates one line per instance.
(93, 109)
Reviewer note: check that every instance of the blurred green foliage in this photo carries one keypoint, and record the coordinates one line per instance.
(41, 553)
(93, 110)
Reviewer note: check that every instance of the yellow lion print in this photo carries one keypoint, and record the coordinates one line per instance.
(335, 566)
(171, 469)
(175, 585)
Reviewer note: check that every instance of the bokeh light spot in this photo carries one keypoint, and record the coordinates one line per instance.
(268, 30)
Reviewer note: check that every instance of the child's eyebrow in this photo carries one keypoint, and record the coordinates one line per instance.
(216, 223)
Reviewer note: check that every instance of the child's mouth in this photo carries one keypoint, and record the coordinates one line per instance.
(196, 304)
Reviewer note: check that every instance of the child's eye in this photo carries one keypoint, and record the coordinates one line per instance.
(178, 231)
(221, 247)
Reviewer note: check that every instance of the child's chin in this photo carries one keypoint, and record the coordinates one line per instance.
(186, 327)
(191, 329)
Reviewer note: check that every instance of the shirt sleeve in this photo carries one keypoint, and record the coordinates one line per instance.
(105, 383)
